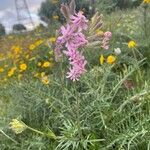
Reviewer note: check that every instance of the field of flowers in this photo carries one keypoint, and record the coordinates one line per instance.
(83, 85)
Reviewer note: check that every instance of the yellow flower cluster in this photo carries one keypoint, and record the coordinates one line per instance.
(17, 126)
(11, 72)
(45, 80)
(110, 59)
(26, 53)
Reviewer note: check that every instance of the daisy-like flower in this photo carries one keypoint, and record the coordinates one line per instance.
(111, 59)
(46, 64)
(45, 80)
(32, 47)
(132, 44)
(23, 67)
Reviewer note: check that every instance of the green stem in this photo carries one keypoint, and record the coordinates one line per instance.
(139, 71)
(37, 131)
(8, 136)
(78, 114)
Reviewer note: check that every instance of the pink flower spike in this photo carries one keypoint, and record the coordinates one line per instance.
(78, 40)
(108, 34)
(67, 33)
(106, 39)
(78, 62)
(79, 21)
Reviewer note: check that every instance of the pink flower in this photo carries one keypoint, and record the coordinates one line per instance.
(78, 62)
(79, 21)
(67, 33)
(72, 38)
(106, 39)
(108, 35)
(105, 46)
(77, 40)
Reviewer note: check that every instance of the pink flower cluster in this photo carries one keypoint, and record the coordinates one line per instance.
(106, 39)
(72, 38)
(78, 62)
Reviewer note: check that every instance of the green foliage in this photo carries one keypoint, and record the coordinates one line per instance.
(101, 111)
(19, 27)
(110, 5)
(49, 9)
(2, 30)
(87, 115)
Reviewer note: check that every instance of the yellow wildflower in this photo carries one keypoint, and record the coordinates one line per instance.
(99, 32)
(56, 17)
(1, 69)
(46, 64)
(39, 42)
(101, 59)
(23, 67)
(146, 1)
(5, 79)
(42, 74)
(111, 59)
(11, 72)
(16, 49)
(36, 75)
(52, 39)
(39, 64)
(45, 80)
(54, 1)
(27, 56)
(32, 47)
(17, 126)
(132, 44)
